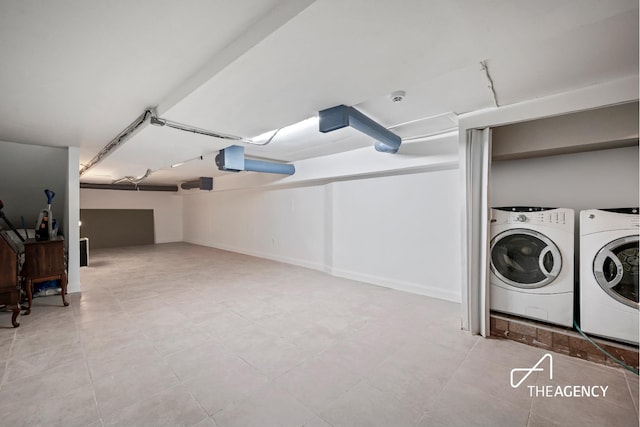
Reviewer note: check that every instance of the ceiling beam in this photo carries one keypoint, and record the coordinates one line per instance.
(270, 22)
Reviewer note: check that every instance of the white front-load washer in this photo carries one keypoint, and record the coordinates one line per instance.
(531, 260)
(609, 273)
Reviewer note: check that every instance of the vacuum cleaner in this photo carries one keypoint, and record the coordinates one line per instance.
(45, 225)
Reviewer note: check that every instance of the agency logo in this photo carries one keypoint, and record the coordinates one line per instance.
(551, 390)
(533, 369)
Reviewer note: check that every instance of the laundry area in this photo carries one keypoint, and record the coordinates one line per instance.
(319, 213)
(563, 246)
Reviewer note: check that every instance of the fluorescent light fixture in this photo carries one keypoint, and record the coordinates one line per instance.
(295, 130)
(175, 165)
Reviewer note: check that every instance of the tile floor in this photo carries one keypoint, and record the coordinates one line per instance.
(183, 335)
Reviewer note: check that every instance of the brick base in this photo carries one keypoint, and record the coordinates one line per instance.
(561, 340)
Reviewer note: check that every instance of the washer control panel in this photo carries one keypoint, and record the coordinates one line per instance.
(549, 217)
(533, 216)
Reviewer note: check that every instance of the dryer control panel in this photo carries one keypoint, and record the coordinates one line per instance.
(596, 220)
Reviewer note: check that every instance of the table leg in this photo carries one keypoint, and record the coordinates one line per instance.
(63, 283)
(14, 317)
(28, 286)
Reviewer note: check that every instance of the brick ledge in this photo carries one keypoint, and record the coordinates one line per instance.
(561, 340)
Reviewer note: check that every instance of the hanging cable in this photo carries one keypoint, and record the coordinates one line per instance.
(117, 141)
(605, 352)
(134, 180)
(158, 121)
(264, 143)
(485, 67)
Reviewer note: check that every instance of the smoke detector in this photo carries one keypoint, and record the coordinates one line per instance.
(397, 96)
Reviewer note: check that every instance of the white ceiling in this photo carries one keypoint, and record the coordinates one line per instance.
(77, 72)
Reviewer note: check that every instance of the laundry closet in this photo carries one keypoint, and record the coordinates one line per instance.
(565, 183)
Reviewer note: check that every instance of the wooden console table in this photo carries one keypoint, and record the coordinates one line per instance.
(9, 285)
(44, 261)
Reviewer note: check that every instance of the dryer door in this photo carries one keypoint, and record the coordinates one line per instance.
(525, 258)
(616, 270)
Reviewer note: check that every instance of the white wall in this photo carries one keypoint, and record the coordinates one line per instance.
(167, 208)
(400, 231)
(284, 224)
(596, 179)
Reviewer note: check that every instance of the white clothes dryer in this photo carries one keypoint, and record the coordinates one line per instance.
(532, 272)
(609, 273)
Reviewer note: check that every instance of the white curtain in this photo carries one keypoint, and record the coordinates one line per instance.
(476, 215)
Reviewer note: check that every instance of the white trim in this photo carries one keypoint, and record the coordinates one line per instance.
(73, 220)
(476, 216)
(400, 285)
(284, 259)
(615, 92)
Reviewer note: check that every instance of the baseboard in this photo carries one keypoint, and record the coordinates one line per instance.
(287, 260)
(73, 287)
(400, 285)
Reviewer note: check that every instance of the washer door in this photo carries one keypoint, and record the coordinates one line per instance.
(616, 270)
(525, 258)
